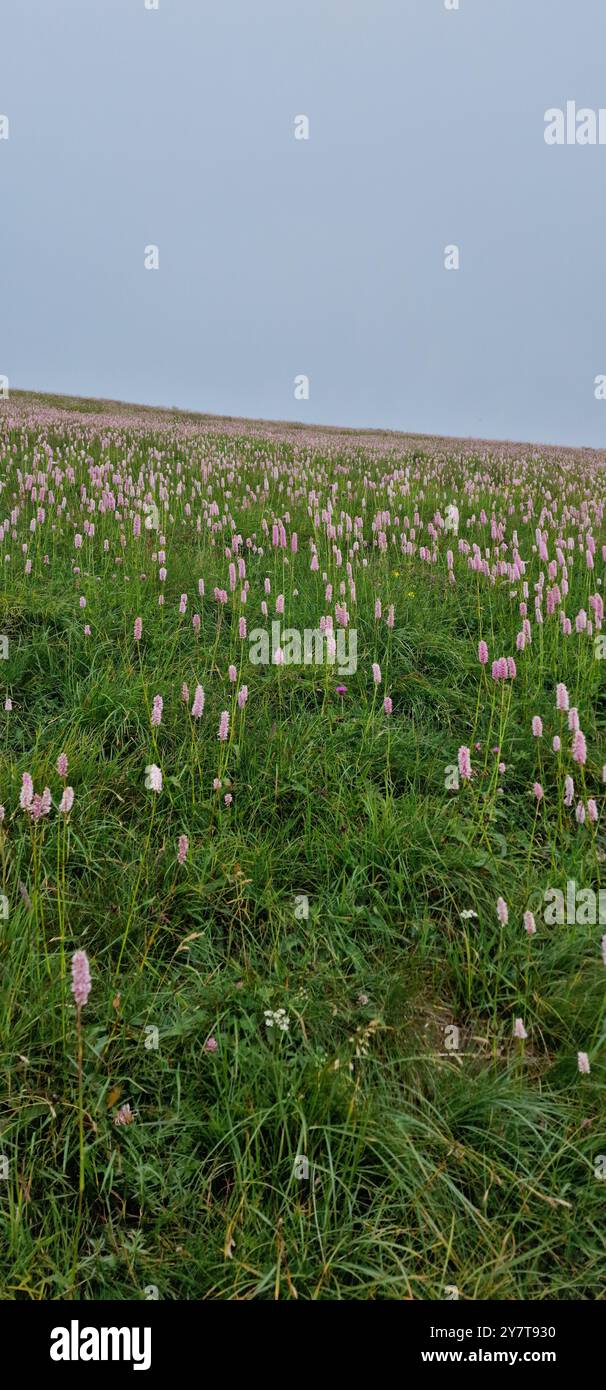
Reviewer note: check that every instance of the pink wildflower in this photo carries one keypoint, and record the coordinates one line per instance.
(124, 1116)
(81, 981)
(562, 700)
(27, 792)
(464, 761)
(198, 704)
(67, 801)
(579, 747)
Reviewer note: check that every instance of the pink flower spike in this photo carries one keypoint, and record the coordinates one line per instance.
(62, 765)
(583, 1063)
(211, 1045)
(182, 849)
(198, 704)
(81, 981)
(502, 912)
(529, 923)
(138, 629)
(27, 792)
(579, 748)
(562, 701)
(67, 801)
(537, 726)
(519, 1030)
(464, 761)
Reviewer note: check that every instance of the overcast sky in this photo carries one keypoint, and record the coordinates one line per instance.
(324, 257)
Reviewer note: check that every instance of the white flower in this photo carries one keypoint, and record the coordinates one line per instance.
(452, 518)
(277, 1018)
(469, 912)
(153, 778)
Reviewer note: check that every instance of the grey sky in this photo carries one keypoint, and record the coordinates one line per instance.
(324, 257)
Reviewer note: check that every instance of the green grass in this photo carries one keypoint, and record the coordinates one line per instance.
(426, 1167)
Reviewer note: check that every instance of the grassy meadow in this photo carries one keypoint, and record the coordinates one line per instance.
(368, 852)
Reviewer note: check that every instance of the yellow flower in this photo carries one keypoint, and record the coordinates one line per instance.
(396, 574)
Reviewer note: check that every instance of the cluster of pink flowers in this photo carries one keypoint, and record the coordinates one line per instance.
(504, 668)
